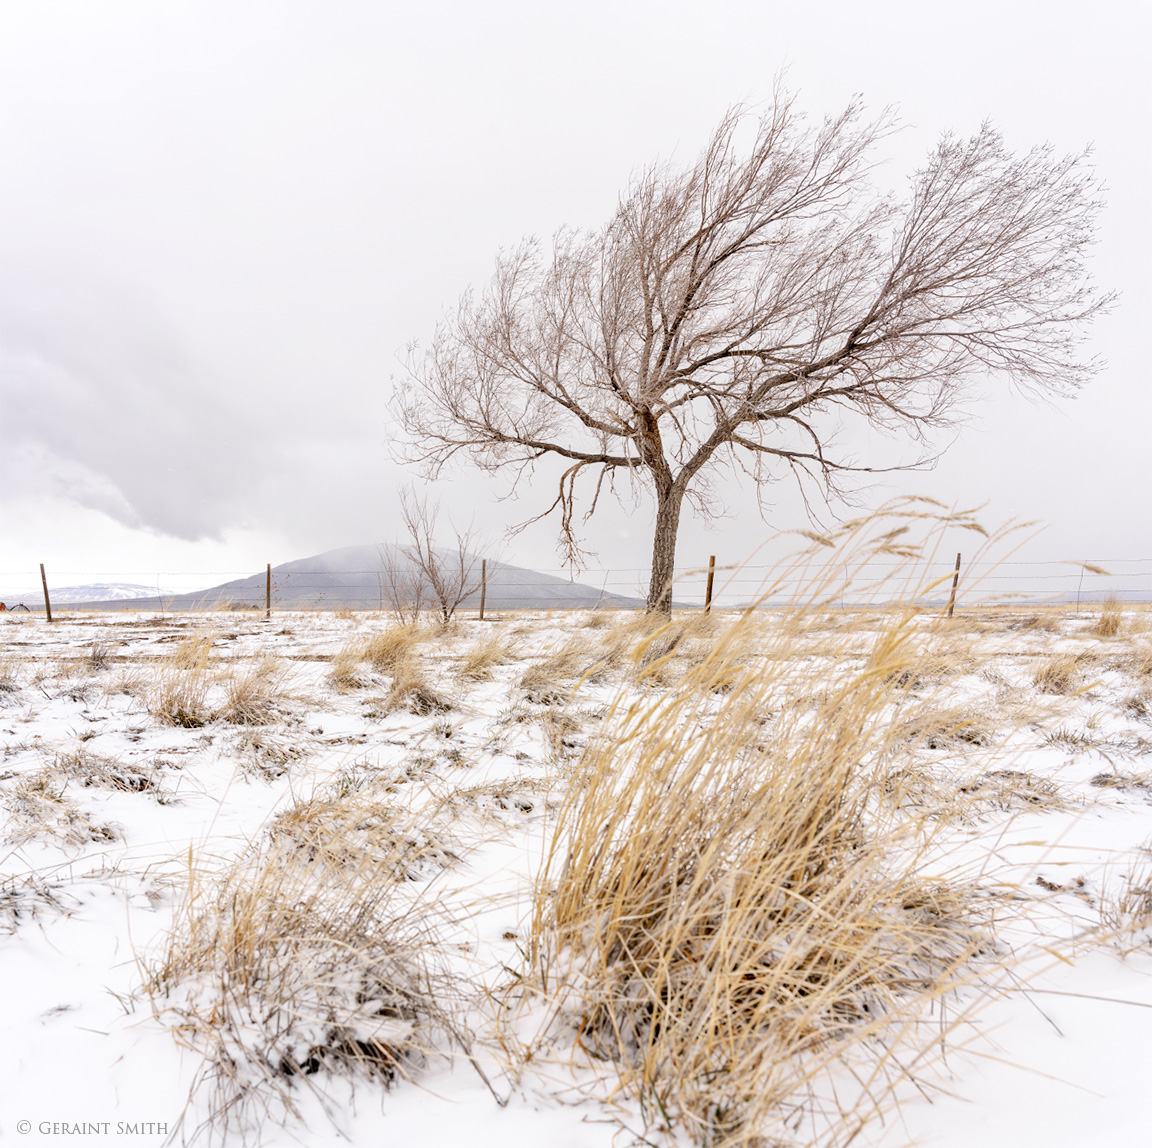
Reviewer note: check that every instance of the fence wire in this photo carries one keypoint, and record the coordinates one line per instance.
(1055, 581)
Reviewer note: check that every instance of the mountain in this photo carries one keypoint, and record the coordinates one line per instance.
(353, 578)
(105, 591)
(70, 595)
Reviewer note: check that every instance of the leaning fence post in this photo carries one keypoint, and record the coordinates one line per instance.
(268, 592)
(955, 581)
(47, 600)
(708, 588)
(483, 585)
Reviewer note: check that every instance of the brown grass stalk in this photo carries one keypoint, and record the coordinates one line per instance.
(718, 919)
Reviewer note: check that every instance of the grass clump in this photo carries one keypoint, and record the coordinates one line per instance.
(255, 695)
(1058, 674)
(383, 651)
(1110, 620)
(96, 770)
(266, 757)
(38, 807)
(717, 918)
(9, 677)
(1009, 790)
(179, 696)
(347, 672)
(1126, 915)
(543, 678)
(300, 961)
(478, 660)
(26, 899)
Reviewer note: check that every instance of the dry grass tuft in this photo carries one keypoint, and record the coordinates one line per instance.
(1010, 790)
(179, 696)
(412, 690)
(717, 919)
(600, 619)
(384, 650)
(947, 728)
(38, 807)
(265, 756)
(27, 899)
(1110, 620)
(93, 769)
(349, 828)
(347, 672)
(9, 676)
(543, 679)
(99, 657)
(478, 660)
(133, 683)
(1127, 915)
(257, 695)
(301, 961)
(1058, 674)
(1139, 704)
(1118, 780)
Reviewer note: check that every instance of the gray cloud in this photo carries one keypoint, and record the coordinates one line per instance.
(219, 224)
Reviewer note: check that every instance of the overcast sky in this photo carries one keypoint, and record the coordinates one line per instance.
(221, 223)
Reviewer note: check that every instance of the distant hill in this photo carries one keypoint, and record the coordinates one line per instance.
(105, 591)
(351, 578)
(70, 595)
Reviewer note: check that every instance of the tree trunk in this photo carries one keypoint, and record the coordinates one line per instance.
(664, 549)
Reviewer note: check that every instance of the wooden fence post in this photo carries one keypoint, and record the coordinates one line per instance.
(483, 585)
(47, 600)
(268, 592)
(955, 581)
(708, 588)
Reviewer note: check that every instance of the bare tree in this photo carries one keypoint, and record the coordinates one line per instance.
(738, 312)
(419, 572)
(402, 585)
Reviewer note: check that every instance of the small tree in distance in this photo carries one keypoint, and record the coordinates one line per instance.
(420, 573)
(736, 313)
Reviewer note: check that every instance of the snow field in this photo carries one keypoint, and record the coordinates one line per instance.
(287, 881)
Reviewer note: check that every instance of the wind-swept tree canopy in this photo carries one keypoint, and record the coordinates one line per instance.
(734, 312)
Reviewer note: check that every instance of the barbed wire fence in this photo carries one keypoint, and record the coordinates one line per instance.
(873, 582)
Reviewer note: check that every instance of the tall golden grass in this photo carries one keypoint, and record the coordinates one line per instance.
(723, 914)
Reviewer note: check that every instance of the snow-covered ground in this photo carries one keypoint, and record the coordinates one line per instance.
(120, 808)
